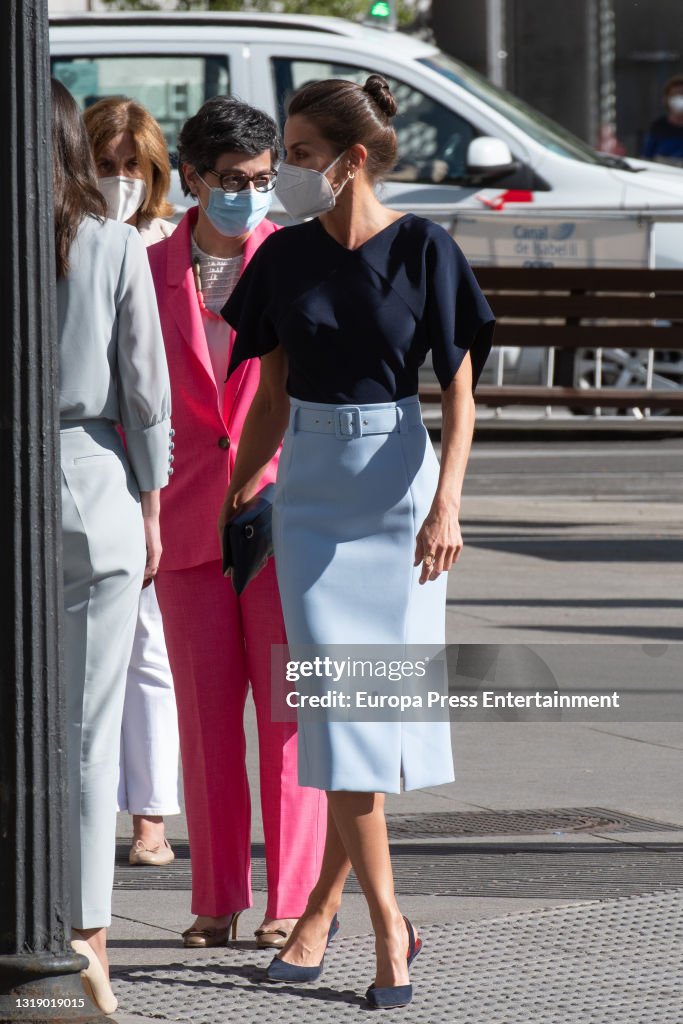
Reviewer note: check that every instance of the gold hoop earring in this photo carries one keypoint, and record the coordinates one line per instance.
(351, 175)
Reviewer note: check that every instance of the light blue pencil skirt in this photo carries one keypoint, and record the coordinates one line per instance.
(354, 486)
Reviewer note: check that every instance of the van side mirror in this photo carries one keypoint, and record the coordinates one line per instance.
(488, 158)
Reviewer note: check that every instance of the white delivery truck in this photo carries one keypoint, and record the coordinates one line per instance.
(463, 142)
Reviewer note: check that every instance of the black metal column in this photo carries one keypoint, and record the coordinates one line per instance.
(39, 973)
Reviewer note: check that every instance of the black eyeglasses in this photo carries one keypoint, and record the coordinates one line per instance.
(235, 181)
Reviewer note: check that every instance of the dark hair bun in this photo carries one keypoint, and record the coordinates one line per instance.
(378, 90)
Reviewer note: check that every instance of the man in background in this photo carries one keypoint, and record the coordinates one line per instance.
(664, 140)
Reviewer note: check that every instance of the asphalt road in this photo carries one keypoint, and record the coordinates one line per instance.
(570, 542)
(650, 470)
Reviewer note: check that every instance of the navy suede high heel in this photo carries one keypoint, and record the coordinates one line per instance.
(396, 995)
(280, 970)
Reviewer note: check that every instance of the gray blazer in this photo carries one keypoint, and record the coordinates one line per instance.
(112, 360)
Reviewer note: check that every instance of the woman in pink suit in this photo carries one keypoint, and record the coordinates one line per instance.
(218, 642)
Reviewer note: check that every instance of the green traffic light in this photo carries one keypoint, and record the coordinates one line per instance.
(380, 9)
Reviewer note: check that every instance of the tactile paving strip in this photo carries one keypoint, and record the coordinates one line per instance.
(617, 962)
(591, 871)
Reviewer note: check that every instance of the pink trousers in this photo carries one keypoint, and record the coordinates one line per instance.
(217, 643)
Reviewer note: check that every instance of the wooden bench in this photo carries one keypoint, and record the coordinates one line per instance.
(524, 299)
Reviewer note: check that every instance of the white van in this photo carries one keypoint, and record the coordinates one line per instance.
(462, 141)
(173, 62)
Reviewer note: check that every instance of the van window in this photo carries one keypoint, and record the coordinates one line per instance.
(541, 128)
(171, 88)
(432, 140)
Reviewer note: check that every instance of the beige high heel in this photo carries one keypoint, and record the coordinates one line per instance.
(271, 938)
(208, 938)
(93, 978)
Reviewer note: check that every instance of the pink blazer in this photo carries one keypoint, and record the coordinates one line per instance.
(206, 436)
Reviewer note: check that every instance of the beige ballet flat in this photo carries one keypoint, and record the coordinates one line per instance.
(156, 857)
(93, 978)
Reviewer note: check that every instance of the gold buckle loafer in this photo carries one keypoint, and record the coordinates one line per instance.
(208, 938)
(271, 938)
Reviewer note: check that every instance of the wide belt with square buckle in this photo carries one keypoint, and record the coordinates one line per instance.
(347, 422)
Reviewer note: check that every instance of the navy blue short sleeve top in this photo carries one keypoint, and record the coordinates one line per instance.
(356, 324)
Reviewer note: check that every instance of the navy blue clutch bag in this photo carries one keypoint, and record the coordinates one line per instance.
(248, 539)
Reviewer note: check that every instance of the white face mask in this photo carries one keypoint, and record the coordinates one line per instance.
(304, 192)
(124, 196)
(676, 103)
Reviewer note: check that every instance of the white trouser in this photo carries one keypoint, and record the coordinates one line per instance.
(148, 777)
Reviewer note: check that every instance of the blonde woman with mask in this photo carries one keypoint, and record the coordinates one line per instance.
(131, 160)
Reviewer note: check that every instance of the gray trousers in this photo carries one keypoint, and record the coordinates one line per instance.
(103, 562)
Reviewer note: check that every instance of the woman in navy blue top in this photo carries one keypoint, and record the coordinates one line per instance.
(356, 324)
(343, 310)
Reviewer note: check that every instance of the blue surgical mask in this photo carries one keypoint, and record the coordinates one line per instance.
(236, 213)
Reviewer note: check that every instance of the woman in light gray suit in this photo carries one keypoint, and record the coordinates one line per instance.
(112, 370)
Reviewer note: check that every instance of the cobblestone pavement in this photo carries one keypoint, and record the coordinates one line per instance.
(608, 962)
